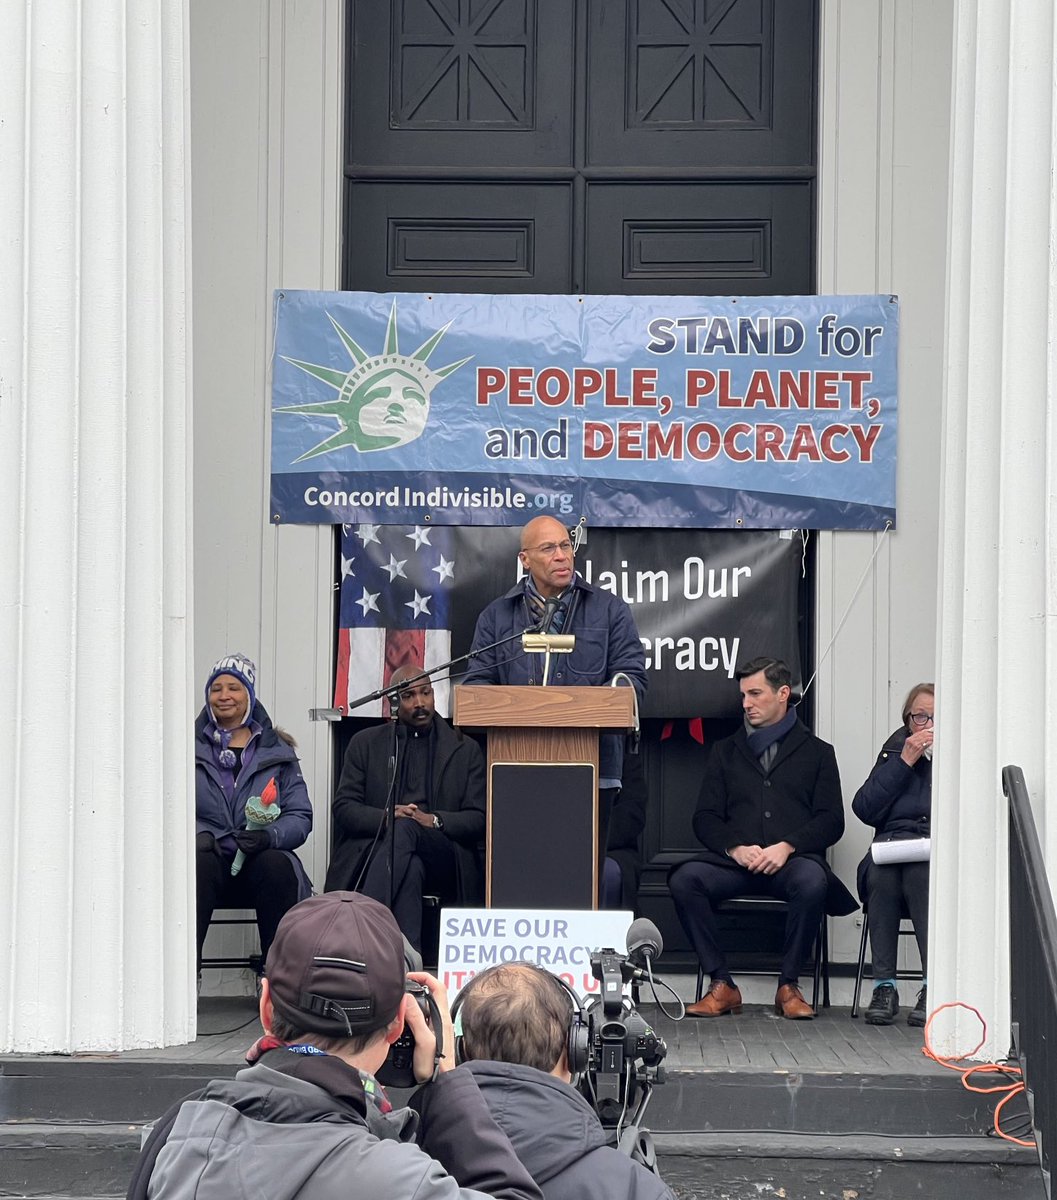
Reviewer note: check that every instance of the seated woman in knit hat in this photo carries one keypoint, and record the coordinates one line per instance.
(240, 758)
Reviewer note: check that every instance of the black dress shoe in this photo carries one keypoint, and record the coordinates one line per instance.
(919, 1012)
(884, 1005)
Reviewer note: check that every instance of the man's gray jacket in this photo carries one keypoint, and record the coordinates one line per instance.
(558, 1137)
(317, 1130)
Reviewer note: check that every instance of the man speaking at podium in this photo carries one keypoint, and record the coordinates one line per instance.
(553, 598)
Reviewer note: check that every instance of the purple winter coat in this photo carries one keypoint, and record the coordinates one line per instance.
(267, 755)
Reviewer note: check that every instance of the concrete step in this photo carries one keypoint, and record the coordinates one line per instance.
(786, 1102)
(810, 1167)
(66, 1090)
(42, 1161)
(97, 1090)
(67, 1160)
(71, 1128)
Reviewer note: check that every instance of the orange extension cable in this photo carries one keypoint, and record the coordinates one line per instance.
(993, 1068)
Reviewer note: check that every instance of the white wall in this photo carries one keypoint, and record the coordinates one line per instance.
(884, 146)
(266, 175)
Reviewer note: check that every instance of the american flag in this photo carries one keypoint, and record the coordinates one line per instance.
(396, 590)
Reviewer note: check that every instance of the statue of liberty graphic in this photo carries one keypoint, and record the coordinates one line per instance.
(383, 401)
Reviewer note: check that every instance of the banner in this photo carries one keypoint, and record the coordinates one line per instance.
(681, 412)
(703, 601)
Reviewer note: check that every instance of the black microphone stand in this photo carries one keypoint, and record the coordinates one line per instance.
(392, 772)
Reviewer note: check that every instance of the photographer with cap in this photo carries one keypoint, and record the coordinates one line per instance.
(308, 1117)
(517, 1033)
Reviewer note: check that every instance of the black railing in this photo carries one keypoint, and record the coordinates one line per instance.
(1033, 966)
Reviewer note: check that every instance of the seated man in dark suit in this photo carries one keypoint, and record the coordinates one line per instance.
(440, 811)
(769, 808)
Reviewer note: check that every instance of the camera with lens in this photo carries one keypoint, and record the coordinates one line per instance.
(398, 1070)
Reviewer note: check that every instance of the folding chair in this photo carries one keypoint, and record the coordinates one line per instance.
(861, 967)
(239, 916)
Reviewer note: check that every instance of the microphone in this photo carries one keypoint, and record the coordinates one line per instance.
(644, 942)
(550, 607)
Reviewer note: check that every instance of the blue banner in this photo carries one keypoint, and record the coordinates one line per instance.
(678, 412)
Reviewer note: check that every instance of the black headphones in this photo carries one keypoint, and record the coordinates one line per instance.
(578, 1037)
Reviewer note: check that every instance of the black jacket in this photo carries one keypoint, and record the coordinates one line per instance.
(895, 799)
(797, 801)
(458, 799)
(558, 1137)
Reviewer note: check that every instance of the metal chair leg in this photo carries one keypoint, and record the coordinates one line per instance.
(825, 962)
(861, 967)
(821, 966)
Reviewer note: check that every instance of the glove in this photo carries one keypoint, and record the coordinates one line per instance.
(205, 843)
(253, 841)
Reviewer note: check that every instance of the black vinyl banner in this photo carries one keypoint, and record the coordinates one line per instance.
(704, 601)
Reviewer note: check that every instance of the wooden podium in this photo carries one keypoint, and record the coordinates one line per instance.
(541, 848)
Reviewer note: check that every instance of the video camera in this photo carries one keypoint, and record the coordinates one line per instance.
(624, 1055)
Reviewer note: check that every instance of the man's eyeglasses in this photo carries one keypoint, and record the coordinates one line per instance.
(922, 719)
(550, 549)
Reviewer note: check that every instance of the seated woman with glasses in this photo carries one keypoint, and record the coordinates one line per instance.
(897, 801)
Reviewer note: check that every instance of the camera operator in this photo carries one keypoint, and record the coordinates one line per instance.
(515, 1023)
(308, 1118)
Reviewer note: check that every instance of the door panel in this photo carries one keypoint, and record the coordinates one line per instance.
(450, 83)
(466, 237)
(750, 239)
(705, 83)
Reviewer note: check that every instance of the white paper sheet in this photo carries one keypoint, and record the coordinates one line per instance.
(905, 850)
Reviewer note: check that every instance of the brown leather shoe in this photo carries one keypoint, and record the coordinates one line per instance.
(789, 1002)
(719, 999)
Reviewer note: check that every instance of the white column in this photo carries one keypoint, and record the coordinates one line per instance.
(998, 667)
(96, 914)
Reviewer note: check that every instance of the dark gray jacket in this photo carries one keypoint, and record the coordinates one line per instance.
(315, 1131)
(558, 1137)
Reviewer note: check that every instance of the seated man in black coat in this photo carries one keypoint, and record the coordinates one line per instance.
(440, 811)
(770, 807)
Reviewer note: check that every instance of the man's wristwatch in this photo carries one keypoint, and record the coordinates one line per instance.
(437, 822)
